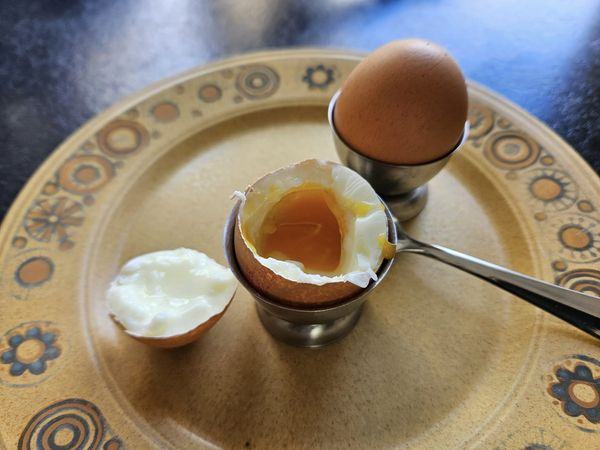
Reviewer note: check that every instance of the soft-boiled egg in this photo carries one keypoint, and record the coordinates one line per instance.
(169, 298)
(406, 103)
(311, 234)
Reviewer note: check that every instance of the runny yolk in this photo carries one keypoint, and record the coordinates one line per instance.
(302, 227)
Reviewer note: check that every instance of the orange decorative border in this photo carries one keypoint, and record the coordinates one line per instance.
(560, 206)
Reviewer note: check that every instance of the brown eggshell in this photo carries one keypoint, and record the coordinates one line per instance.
(288, 292)
(178, 340)
(405, 103)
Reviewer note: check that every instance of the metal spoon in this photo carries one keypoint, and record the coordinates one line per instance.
(578, 309)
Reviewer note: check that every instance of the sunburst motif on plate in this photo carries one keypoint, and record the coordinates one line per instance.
(577, 237)
(551, 188)
(49, 220)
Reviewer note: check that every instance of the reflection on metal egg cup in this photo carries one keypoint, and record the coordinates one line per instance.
(402, 187)
(302, 326)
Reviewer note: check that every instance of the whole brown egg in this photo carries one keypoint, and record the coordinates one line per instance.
(405, 103)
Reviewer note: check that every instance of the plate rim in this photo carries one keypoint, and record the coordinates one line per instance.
(91, 126)
(139, 95)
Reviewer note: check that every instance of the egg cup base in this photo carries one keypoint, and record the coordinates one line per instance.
(312, 335)
(409, 205)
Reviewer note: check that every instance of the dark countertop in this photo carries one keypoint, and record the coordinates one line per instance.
(64, 61)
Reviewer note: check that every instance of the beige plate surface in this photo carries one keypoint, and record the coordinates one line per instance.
(439, 359)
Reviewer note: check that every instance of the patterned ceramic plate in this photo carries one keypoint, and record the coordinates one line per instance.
(439, 359)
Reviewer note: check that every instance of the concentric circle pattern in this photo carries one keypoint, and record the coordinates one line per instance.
(34, 271)
(71, 424)
(122, 138)
(512, 150)
(257, 82)
(85, 174)
(165, 112)
(582, 280)
(481, 120)
(210, 93)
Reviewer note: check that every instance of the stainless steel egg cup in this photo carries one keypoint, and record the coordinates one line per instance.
(402, 187)
(304, 327)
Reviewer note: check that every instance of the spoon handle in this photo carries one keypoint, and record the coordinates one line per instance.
(576, 308)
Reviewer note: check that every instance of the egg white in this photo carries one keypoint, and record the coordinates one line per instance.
(364, 220)
(170, 292)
